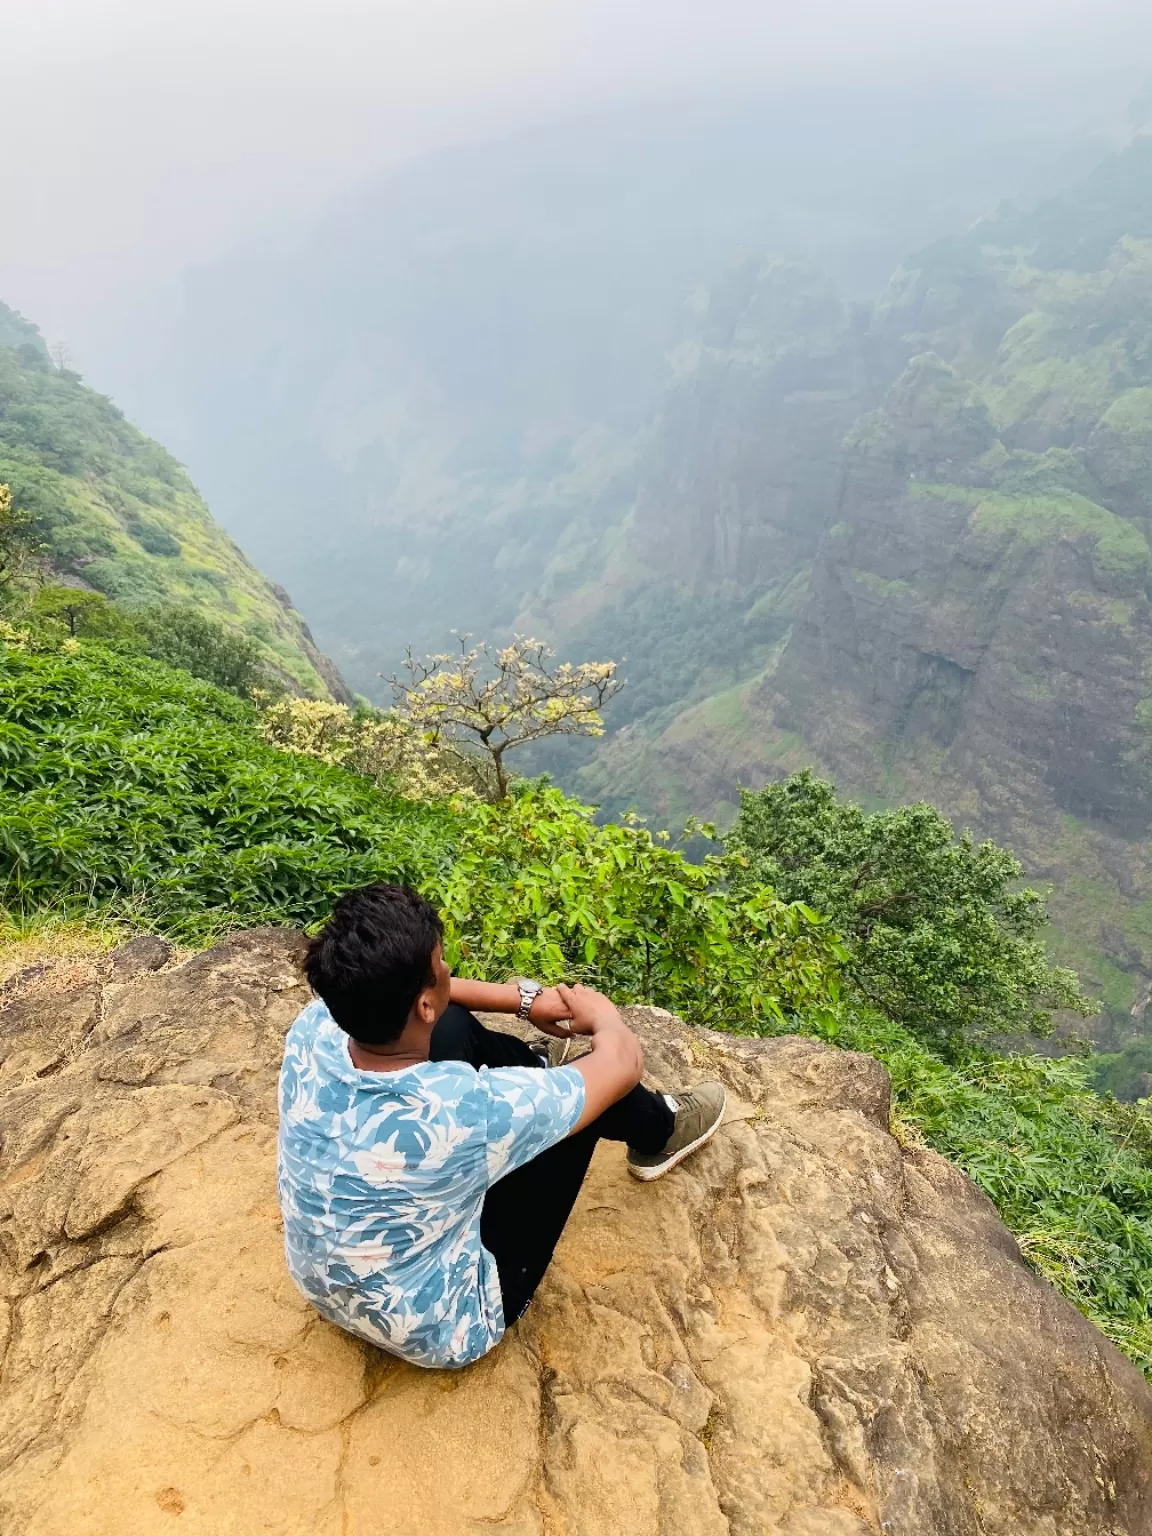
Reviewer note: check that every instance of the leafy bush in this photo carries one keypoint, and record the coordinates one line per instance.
(538, 886)
(940, 937)
(180, 635)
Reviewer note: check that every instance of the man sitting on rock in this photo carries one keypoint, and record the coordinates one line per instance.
(428, 1164)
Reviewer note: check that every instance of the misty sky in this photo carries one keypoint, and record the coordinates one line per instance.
(141, 135)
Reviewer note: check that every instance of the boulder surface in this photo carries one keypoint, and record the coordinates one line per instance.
(807, 1329)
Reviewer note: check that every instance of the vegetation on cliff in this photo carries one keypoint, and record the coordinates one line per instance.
(110, 511)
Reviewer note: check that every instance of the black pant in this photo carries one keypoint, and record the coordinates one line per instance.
(524, 1213)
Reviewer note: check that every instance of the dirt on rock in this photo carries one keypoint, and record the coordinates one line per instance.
(806, 1330)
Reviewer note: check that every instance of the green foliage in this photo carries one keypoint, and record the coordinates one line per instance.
(182, 636)
(125, 783)
(940, 937)
(674, 642)
(1126, 1073)
(81, 613)
(176, 633)
(538, 886)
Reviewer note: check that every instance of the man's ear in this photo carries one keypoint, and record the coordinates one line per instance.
(426, 1007)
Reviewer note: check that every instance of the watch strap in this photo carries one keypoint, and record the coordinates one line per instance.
(529, 992)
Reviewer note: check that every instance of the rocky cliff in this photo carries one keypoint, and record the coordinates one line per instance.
(975, 627)
(809, 1329)
(745, 456)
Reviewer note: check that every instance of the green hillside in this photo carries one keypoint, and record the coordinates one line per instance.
(119, 515)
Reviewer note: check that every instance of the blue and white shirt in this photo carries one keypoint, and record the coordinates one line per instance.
(382, 1177)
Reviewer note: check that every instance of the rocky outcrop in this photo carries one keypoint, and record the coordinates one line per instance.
(808, 1330)
(325, 666)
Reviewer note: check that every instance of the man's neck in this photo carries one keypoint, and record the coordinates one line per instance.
(410, 1047)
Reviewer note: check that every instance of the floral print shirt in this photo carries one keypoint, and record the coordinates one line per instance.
(382, 1177)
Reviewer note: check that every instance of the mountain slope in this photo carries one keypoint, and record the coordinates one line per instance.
(977, 628)
(119, 515)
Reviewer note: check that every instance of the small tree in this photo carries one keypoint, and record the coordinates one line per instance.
(82, 613)
(495, 700)
(61, 354)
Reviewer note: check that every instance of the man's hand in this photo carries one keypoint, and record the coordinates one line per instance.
(616, 1062)
(548, 1011)
(587, 1009)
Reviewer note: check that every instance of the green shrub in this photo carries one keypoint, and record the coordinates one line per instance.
(180, 635)
(941, 938)
(537, 886)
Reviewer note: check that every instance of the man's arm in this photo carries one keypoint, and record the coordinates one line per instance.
(504, 997)
(616, 1062)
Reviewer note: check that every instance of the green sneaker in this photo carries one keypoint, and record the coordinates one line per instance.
(560, 1052)
(699, 1114)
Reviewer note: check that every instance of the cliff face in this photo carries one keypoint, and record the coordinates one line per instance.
(809, 1330)
(979, 627)
(744, 460)
(1001, 628)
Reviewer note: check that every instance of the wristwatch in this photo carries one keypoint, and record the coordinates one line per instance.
(529, 992)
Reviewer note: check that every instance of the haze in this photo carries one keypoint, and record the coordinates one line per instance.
(143, 136)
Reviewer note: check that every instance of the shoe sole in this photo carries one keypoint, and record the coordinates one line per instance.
(649, 1175)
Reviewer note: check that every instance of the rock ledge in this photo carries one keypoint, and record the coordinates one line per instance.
(805, 1331)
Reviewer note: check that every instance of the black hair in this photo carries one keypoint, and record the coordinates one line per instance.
(373, 958)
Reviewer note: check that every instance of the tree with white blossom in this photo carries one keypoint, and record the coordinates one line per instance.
(496, 699)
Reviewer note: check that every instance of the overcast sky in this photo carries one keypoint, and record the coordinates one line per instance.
(141, 135)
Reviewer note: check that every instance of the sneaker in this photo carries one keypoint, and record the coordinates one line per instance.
(558, 1052)
(699, 1113)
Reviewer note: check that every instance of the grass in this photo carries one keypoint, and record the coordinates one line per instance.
(58, 936)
